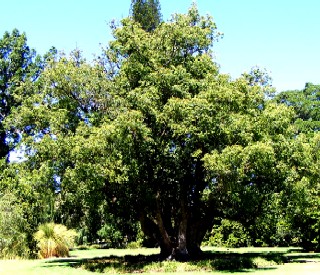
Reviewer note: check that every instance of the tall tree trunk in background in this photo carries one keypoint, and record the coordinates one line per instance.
(4, 148)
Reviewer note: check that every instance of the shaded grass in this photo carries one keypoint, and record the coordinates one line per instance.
(210, 261)
(255, 261)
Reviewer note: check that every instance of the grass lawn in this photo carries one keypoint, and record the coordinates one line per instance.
(299, 263)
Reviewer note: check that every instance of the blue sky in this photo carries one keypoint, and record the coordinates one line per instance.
(279, 35)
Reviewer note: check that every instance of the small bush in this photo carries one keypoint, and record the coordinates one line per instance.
(134, 245)
(54, 240)
(111, 235)
(260, 262)
(229, 234)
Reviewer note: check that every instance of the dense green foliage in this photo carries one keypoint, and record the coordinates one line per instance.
(152, 133)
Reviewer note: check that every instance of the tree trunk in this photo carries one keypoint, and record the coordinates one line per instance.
(181, 240)
(181, 251)
(165, 242)
(189, 238)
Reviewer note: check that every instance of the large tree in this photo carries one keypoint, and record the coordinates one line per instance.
(147, 13)
(190, 116)
(164, 139)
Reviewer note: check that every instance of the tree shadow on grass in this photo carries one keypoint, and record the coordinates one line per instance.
(98, 264)
(62, 262)
(303, 257)
(209, 261)
(124, 264)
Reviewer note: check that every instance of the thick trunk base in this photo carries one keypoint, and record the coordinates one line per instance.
(185, 255)
(181, 255)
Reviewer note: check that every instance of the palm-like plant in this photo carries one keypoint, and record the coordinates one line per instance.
(54, 240)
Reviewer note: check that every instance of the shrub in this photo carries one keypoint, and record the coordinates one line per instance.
(13, 240)
(82, 237)
(260, 262)
(54, 240)
(230, 234)
(134, 245)
(111, 235)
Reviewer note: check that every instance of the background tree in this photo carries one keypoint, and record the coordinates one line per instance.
(17, 64)
(288, 214)
(68, 100)
(147, 13)
(306, 104)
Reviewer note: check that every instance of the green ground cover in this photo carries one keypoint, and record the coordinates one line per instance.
(272, 261)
